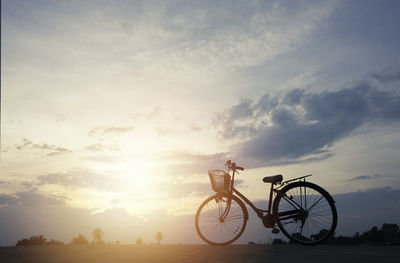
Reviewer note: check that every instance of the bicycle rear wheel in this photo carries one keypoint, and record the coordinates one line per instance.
(211, 226)
(305, 213)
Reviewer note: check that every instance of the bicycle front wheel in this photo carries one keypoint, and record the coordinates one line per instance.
(219, 223)
(305, 213)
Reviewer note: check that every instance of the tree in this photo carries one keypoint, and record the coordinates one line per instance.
(98, 236)
(139, 241)
(32, 241)
(80, 240)
(375, 236)
(38, 241)
(390, 232)
(159, 237)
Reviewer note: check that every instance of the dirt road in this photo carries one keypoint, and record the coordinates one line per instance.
(200, 253)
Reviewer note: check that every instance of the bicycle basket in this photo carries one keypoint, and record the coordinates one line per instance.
(220, 180)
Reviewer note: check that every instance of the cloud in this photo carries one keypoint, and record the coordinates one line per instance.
(186, 190)
(30, 198)
(53, 150)
(254, 34)
(366, 177)
(195, 163)
(97, 147)
(155, 113)
(388, 75)
(102, 159)
(163, 131)
(110, 130)
(194, 127)
(300, 124)
(80, 178)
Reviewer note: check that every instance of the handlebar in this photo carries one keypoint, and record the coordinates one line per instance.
(233, 166)
(239, 168)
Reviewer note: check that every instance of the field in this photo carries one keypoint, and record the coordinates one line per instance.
(200, 253)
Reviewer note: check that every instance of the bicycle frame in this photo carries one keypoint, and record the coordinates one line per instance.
(260, 212)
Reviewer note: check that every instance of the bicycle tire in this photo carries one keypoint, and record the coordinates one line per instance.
(320, 216)
(237, 218)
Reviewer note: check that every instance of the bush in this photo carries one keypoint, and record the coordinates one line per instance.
(80, 240)
(38, 241)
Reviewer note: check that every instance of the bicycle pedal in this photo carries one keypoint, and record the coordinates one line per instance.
(275, 231)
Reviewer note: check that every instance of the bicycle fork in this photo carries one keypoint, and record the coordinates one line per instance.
(225, 213)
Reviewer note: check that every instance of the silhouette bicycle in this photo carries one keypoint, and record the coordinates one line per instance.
(303, 211)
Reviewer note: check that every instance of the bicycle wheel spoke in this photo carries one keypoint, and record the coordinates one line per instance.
(220, 221)
(314, 220)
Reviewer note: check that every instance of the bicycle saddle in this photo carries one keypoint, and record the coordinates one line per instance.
(273, 179)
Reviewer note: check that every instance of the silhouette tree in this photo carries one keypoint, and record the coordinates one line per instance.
(98, 236)
(159, 237)
(32, 241)
(390, 233)
(38, 241)
(80, 240)
(139, 241)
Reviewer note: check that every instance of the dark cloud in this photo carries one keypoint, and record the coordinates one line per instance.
(303, 124)
(231, 119)
(52, 149)
(30, 198)
(366, 177)
(388, 75)
(110, 130)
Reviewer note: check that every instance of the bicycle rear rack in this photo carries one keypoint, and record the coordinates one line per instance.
(302, 178)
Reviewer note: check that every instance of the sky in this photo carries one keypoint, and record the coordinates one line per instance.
(113, 111)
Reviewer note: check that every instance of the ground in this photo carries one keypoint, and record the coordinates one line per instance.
(200, 253)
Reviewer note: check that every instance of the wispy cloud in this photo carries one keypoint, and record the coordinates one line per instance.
(51, 150)
(156, 112)
(388, 75)
(98, 147)
(189, 163)
(194, 127)
(80, 178)
(164, 131)
(370, 177)
(110, 130)
(102, 159)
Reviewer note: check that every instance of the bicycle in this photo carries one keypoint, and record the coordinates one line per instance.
(303, 211)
